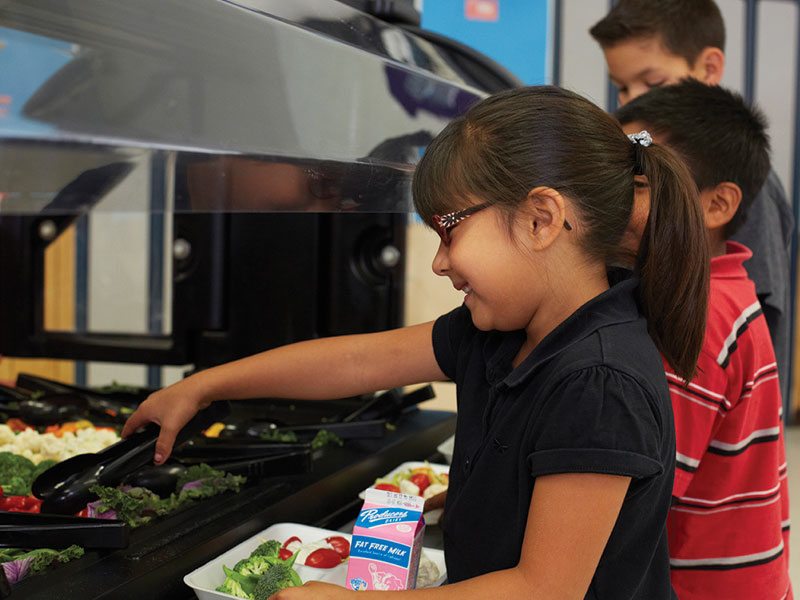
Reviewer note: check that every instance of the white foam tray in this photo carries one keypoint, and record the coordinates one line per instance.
(437, 468)
(432, 517)
(204, 580)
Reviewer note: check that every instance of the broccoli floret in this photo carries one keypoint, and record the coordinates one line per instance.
(16, 474)
(255, 565)
(276, 578)
(269, 549)
(237, 584)
(232, 587)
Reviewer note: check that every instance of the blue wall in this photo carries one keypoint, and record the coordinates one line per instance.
(517, 40)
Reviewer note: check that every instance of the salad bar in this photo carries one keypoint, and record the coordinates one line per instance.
(102, 522)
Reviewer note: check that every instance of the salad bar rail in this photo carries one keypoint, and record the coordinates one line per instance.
(161, 553)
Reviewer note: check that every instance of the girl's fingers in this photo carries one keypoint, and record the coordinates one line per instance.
(164, 444)
(136, 420)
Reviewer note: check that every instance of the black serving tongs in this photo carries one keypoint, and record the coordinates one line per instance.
(129, 395)
(64, 488)
(47, 402)
(390, 404)
(27, 530)
(356, 430)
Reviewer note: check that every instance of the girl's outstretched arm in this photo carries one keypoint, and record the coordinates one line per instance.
(569, 522)
(326, 368)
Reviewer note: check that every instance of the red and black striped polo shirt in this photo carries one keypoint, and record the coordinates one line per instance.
(729, 524)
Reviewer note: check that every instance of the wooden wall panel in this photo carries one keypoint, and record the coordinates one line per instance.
(59, 312)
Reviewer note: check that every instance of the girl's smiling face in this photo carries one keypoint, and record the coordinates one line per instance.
(494, 271)
(521, 273)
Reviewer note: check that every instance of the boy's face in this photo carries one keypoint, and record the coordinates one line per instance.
(640, 64)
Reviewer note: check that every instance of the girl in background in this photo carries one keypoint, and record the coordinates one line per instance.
(563, 463)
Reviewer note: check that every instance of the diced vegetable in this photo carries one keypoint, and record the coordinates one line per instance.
(415, 482)
(60, 443)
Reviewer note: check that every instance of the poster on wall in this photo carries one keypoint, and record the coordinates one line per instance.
(482, 10)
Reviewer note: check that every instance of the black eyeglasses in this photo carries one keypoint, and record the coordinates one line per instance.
(444, 224)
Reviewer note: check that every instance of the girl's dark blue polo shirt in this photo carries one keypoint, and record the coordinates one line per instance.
(592, 397)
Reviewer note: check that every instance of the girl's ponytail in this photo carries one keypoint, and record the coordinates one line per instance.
(674, 259)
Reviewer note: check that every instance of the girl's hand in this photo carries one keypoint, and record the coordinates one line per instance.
(314, 590)
(171, 407)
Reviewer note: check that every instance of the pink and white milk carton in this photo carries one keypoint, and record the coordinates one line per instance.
(387, 542)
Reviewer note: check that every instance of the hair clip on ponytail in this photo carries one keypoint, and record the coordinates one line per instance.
(640, 141)
(643, 138)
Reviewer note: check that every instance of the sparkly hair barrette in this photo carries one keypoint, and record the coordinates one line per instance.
(643, 138)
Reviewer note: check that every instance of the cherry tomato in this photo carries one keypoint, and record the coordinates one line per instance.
(389, 487)
(83, 513)
(323, 558)
(421, 480)
(340, 545)
(284, 554)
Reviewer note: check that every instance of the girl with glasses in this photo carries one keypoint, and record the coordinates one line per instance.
(563, 463)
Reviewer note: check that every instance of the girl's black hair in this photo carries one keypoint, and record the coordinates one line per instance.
(520, 139)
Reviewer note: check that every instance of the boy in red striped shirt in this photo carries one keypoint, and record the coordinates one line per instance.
(729, 524)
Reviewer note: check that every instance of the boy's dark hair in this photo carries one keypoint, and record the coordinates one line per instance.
(685, 27)
(717, 133)
(515, 141)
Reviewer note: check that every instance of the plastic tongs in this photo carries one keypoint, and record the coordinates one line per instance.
(64, 488)
(390, 404)
(44, 402)
(26, 530)
(375, 428)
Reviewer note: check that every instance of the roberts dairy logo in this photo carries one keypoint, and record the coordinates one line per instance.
(377, 516)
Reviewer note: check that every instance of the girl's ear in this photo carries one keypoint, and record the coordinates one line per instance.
(544, 215)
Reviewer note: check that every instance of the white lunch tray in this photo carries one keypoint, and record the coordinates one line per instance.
(204, 580)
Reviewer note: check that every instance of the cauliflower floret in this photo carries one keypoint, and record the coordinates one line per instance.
(6, 435)
(45, 446)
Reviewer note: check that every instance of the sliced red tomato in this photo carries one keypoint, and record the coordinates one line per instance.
(421, 480)
(323, 558)
(340, 545)
(284, 554)
(389, 487)
(294, 538)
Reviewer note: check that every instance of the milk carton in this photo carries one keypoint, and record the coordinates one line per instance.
(387, 542)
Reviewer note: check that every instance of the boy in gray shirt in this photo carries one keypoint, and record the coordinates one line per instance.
(650, 43)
